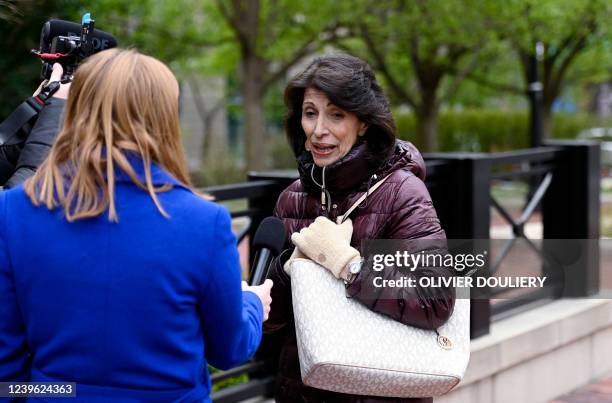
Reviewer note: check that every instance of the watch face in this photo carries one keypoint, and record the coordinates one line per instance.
(355, 268)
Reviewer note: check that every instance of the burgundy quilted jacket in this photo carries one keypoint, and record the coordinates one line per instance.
(400, 209)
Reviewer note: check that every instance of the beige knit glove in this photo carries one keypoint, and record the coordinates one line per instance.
(328, 244)
(347, 233)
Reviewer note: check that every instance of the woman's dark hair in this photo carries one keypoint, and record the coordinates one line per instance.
(350, 84)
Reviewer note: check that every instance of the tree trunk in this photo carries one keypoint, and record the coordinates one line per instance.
(427, 126)
(547, 120)
(254, 122)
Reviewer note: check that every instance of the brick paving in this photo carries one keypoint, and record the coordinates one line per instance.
(597, 392)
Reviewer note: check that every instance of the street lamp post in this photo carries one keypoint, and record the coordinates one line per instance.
(535, 97)
(536, 135)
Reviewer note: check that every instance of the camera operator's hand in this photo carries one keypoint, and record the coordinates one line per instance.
(56, 75)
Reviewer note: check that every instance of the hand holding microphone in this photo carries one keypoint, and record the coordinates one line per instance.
(268, 241)
(263, 292)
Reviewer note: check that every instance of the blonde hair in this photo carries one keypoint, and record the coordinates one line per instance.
(120, 101)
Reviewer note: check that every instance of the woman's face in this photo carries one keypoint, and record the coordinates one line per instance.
(330, 131)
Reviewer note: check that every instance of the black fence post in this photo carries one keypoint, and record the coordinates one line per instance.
(462, 199)
(571, 212)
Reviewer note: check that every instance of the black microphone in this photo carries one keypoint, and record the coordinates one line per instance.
(101, 40)
(268, 241)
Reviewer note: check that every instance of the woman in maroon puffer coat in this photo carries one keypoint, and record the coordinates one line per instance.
(341, 129)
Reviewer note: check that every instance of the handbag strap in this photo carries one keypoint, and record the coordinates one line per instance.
(362, 198)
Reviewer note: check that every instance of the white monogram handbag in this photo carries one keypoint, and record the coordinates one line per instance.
(345, 347)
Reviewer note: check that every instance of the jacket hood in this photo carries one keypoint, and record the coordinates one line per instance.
(356, 170)
(405, 156)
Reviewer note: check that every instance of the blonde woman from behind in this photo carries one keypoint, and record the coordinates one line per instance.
(114, 273)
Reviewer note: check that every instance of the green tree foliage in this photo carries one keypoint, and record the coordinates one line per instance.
(492, 130)
(271, 37)
(254, 41)
(423, 50)
(575, 42)
(182, 33)
(567, 29)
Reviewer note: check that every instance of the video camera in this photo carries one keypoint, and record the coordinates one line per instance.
(68, 43)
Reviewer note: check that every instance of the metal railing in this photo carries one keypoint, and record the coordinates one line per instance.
(564, 186)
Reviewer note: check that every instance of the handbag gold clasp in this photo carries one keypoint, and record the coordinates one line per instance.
(445, 342)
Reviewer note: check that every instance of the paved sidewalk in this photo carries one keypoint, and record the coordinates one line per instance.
(597, 392)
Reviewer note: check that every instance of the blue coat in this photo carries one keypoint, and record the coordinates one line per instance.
(130, 311)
